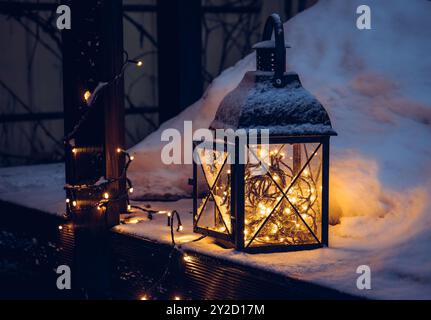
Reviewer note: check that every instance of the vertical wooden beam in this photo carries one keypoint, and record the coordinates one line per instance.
(325, 191)
(179, 39)
(93, 53)
(112, 59)
(195, 190)
(238, 196)
(288, 9)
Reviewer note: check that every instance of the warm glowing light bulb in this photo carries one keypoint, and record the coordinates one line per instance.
(144, 297)
(263, 153)
(132, 158)
(131, 190)
(129, 207)
(228, 172)
(306, 172)
(169, 213)
(74, 151)
(177, 298)
(139, 63)
(223, 229)
(87, 95)
(119, 150)
(99, 208)
(74, 203)
(245, 232)
(181, 228)
(67, 200)
(60, 227)
(106, 195)
(287, 210)
(188, 258)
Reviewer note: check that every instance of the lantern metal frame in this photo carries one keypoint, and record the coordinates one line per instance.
(296, 123)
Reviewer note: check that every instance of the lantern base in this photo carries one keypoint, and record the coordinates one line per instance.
(228, 244)
(224, 244)
(269, 249)
(282, 248)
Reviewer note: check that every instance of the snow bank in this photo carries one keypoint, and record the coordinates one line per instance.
(375, 86)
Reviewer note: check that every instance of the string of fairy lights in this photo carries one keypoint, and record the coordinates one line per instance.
(100, 186)
(73, 201)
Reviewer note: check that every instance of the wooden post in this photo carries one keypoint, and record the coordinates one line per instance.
(179, 40)
(93, 53)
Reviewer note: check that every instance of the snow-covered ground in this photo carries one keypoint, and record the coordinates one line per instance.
(375, 86)
(400, 269)
(37, 187)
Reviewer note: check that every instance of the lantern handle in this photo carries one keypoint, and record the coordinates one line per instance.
(273, 23)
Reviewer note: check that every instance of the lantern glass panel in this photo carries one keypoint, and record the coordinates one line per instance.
(283, 193)
(214, 199)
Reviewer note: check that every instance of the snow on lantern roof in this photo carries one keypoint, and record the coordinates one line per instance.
(256, 104)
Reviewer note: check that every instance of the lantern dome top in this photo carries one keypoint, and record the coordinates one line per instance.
(271, 98)
(257, 104)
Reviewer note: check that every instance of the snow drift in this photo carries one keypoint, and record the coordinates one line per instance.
(375, 86)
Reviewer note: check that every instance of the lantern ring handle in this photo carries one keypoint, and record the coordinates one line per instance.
(273, 23)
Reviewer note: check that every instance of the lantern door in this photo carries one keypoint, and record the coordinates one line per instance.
(212, 191)
(284, 195)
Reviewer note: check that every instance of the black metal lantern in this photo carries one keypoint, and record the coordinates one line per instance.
(285, 206)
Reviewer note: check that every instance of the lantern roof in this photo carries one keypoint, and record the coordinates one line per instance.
(257, 104)
(271, 98)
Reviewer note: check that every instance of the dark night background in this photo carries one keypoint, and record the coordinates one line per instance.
(31, 112)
